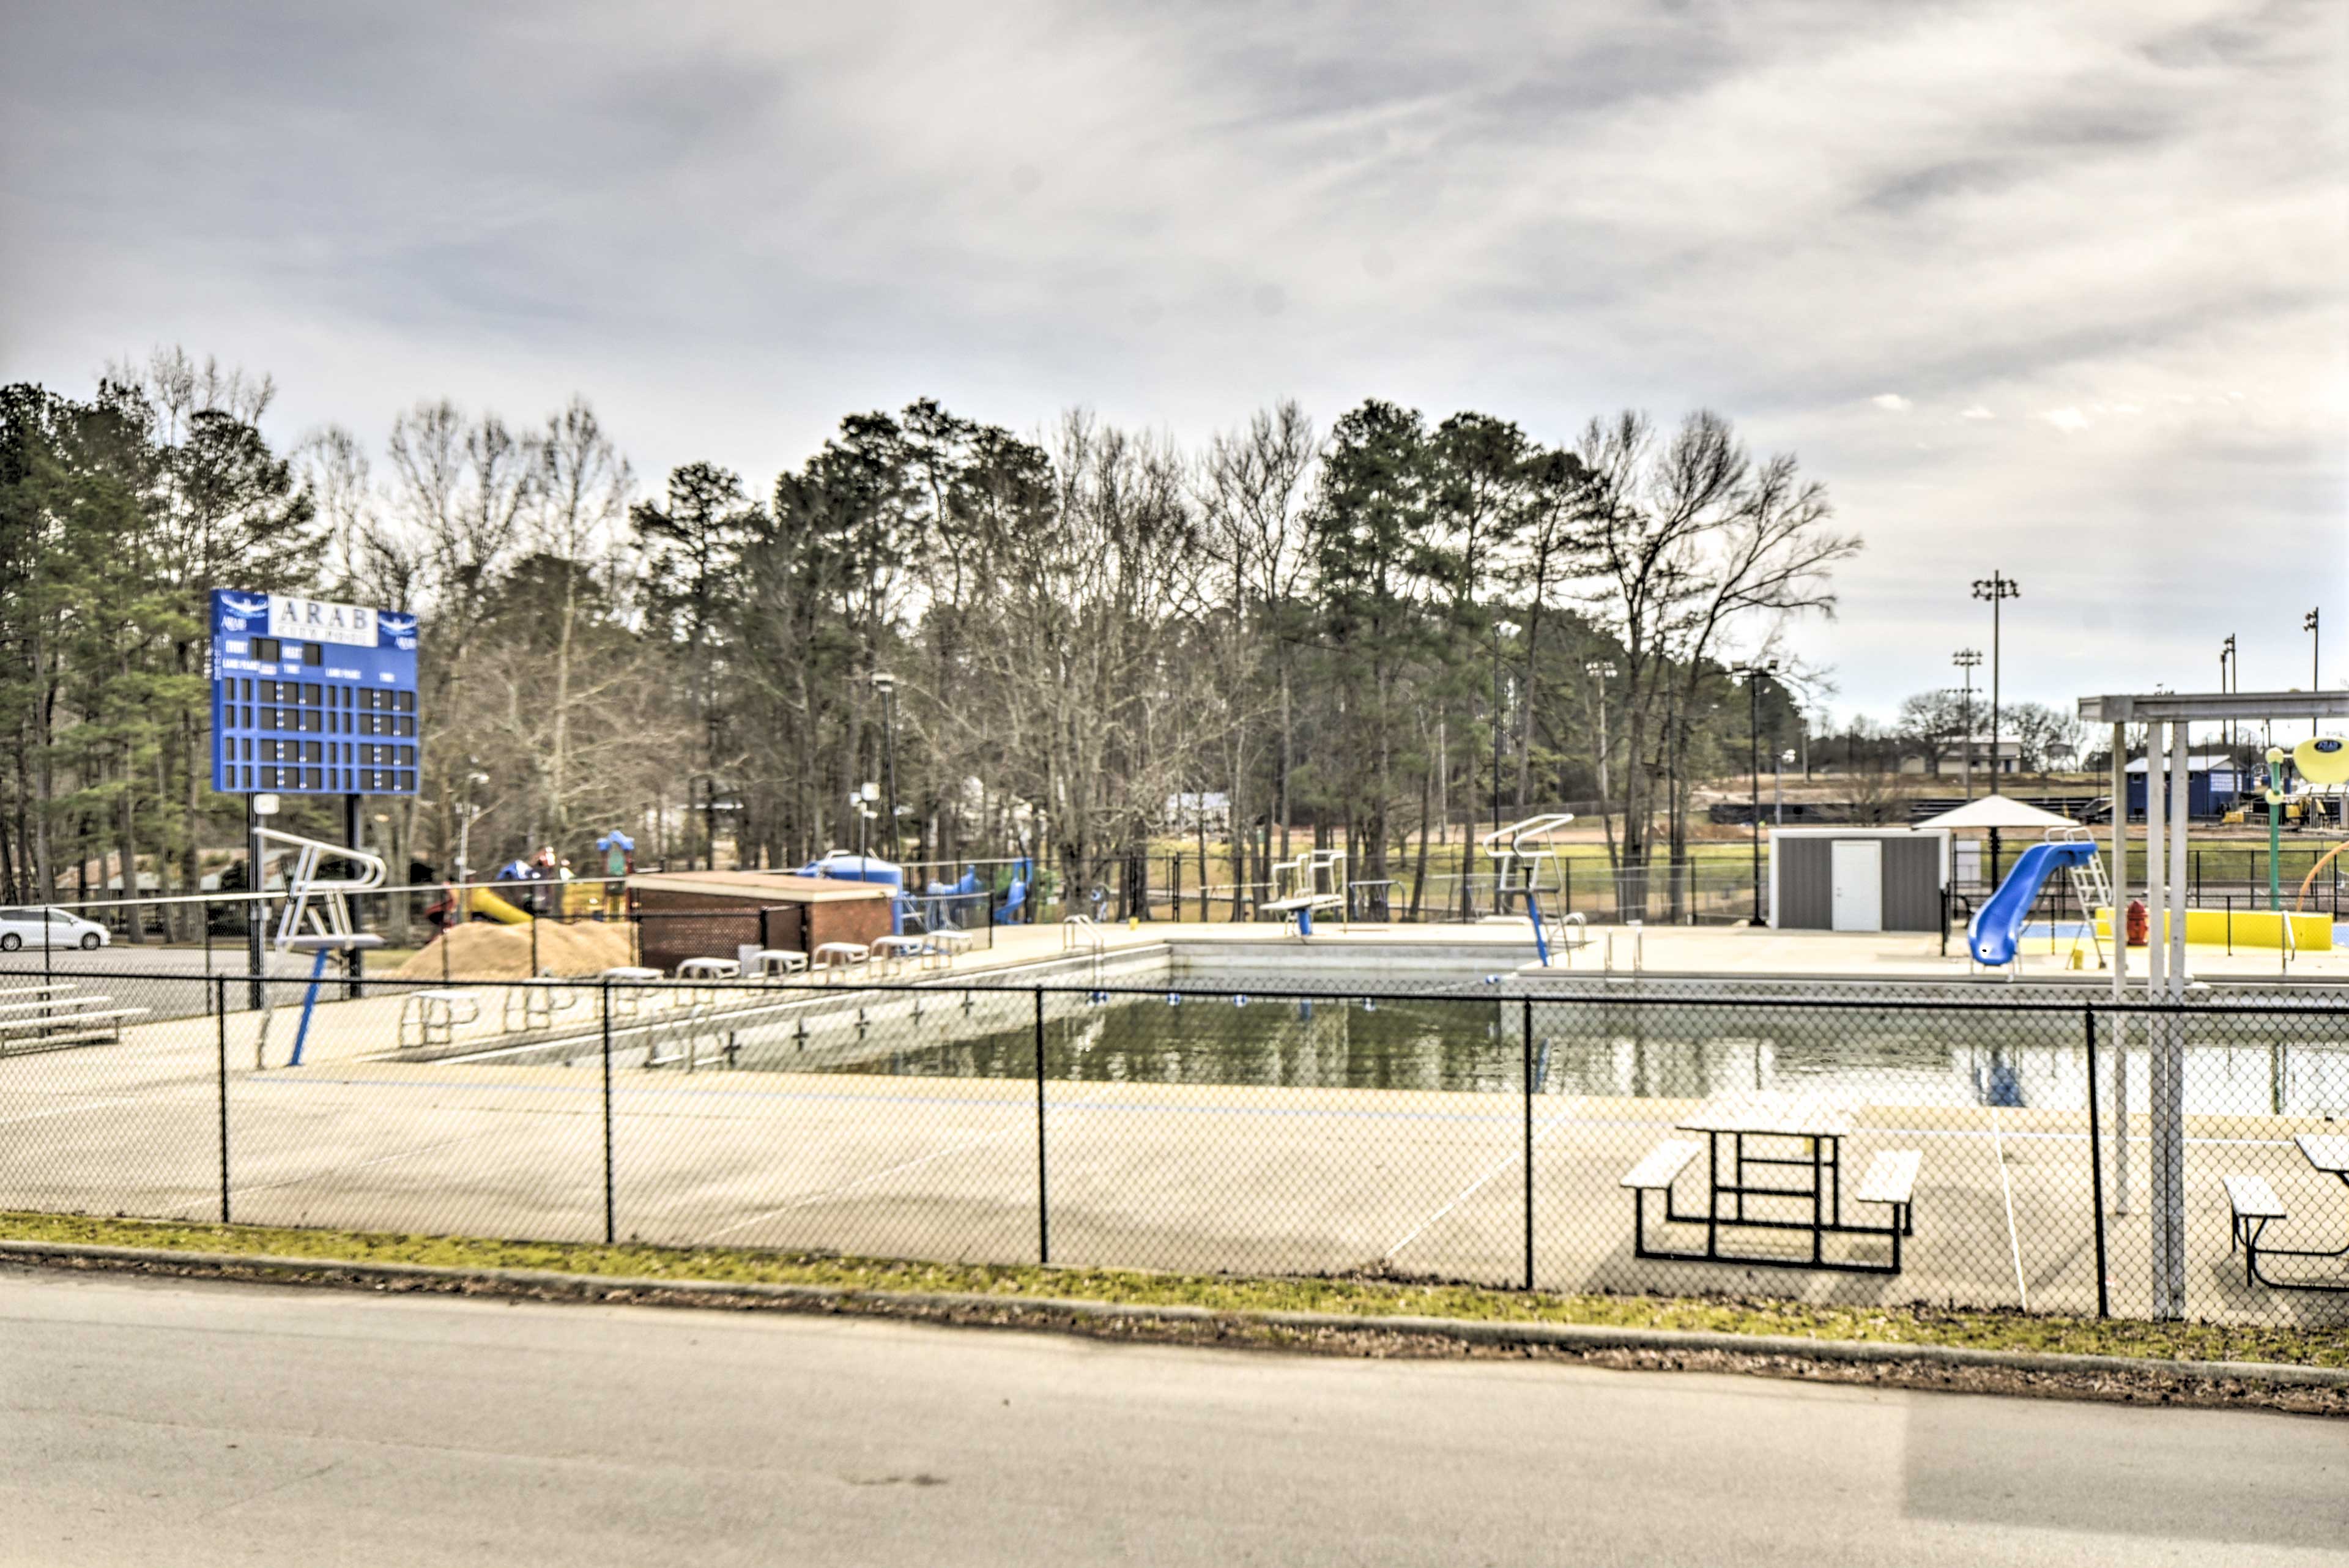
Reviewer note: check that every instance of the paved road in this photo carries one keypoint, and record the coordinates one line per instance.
(155, 1423)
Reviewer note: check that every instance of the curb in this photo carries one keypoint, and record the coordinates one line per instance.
(1040, 1310)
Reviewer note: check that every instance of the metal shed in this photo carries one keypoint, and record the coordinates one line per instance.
(1859, 878)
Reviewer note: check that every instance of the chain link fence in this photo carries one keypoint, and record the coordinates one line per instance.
(2050, 1150)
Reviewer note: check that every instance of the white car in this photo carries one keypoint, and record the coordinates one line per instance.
(32, 928)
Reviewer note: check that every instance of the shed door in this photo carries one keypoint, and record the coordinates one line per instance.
(1858, 876)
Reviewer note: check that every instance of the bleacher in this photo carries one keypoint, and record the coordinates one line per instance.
(49, 1015)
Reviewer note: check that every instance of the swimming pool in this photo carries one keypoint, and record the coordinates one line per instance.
(1435, 1030)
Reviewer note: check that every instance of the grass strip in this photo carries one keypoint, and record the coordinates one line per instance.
(1370, 1299)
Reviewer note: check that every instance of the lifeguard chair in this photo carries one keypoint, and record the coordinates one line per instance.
(1525, 867)
(317, 917)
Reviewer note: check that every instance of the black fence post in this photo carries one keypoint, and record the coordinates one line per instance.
(220, 1042)
(1527, 1003)
(1043, 1206)
(611, 1228)
(2097, 1158)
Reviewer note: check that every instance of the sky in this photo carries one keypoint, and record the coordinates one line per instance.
(2057, 291)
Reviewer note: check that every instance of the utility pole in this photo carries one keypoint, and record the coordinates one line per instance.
(1752, 674)
(1967, 659)
(1997, 588)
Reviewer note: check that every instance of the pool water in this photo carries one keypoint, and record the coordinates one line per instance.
(2261, 1066)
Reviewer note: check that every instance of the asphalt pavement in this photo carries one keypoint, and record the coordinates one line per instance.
(157, 1422)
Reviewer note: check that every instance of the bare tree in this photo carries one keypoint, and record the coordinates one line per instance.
(1251, 490)
(1689, 543)
(578, 503)
(1936, 721)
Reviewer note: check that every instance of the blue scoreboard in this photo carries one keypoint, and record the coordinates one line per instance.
(312, 698)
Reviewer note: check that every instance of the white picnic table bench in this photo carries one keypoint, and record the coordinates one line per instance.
(776, 963)
(837, 958)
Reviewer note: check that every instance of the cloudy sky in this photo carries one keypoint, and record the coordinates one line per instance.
(2052, 290)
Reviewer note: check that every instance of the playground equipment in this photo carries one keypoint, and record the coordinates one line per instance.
(1015, 897)
(1315, 879)
(317, 918)
(1996, 930)
(481, 901)
(619, 853)
(842, 865)
(939, 899)
(1525, 866)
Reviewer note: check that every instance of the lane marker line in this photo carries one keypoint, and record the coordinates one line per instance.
(1515, 1157)
(2013, 1244)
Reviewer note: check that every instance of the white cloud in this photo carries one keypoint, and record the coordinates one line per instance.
(729, 226)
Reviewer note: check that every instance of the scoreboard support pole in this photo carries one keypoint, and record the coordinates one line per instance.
(354, 834)
(256, 909)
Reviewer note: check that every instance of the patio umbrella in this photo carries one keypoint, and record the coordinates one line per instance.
(1995, 811)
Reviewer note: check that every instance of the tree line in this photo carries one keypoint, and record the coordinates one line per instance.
(1033, 642)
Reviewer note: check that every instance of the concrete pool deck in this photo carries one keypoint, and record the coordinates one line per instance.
(1665, 949)
(1194, 1176)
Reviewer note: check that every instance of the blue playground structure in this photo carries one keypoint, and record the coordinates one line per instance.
(1997, 927)
(939, 898)
(1015, 897)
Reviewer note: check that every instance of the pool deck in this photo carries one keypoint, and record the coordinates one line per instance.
(1164, 1176)
(1673, 949)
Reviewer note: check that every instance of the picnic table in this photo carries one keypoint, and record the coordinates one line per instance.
(1739, 1175)
(2254, 1204)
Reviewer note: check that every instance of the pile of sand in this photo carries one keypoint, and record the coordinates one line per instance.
(483, 950)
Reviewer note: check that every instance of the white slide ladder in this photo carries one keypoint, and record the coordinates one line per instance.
(2090, 885)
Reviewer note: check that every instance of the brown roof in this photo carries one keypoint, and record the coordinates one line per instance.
(773, 886)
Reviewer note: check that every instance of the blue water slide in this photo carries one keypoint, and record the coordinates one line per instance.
(1998, 925)
(1016, 895)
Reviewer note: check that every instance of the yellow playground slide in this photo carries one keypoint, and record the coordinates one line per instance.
(481, 901)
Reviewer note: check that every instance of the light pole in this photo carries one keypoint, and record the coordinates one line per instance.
(1778, 788)
(886, 684)
(2309, 623)
(1967, 659)
(860, 800)
(1997, 588)
(2226, 664)
(1602, 672)
(1752, 674)
(1501, 629)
